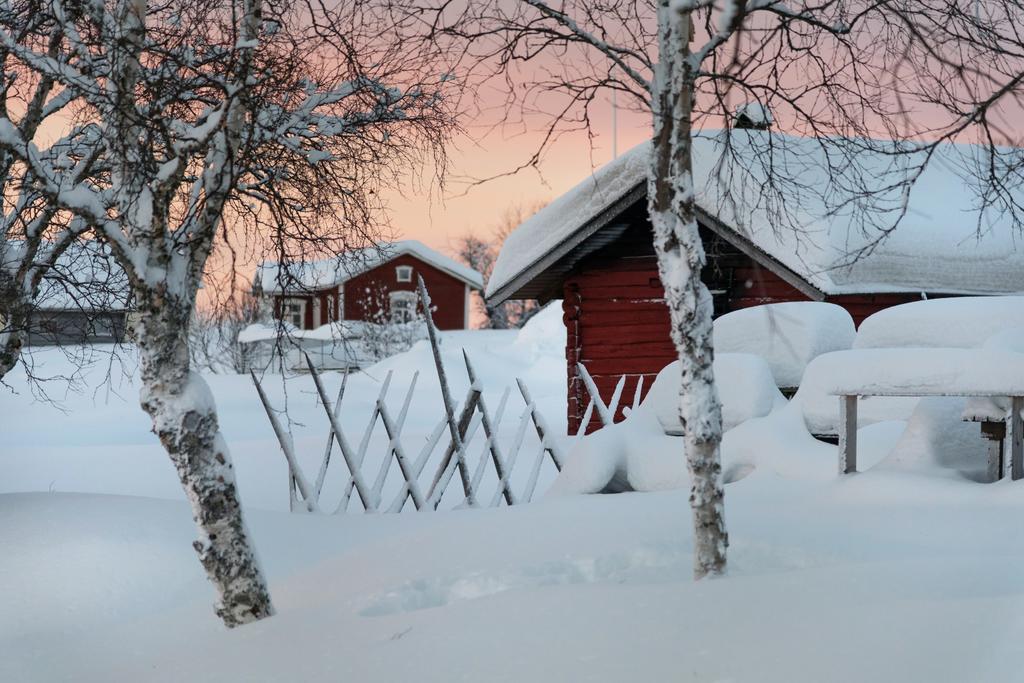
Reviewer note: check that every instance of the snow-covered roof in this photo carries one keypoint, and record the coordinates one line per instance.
(85, 278)
(313, 275)
(827, 234)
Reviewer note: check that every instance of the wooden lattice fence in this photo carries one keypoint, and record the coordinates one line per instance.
(469, 433)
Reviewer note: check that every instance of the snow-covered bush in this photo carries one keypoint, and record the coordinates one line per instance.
(962, 322)
(787, 335)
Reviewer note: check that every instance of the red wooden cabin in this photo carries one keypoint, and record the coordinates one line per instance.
(372, 285)
(592, 248)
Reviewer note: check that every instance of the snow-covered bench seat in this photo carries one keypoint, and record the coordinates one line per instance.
(918, 372)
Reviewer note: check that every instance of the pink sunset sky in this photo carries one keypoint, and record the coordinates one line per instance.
(438, 219)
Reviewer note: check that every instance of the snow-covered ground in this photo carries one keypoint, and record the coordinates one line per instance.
(908, 571)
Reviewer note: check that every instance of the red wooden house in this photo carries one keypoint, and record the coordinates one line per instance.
(372, 285)
(592, 248)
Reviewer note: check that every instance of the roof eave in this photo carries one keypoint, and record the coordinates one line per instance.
(519, 286)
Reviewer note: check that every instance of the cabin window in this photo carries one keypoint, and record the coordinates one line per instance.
(403, 306)
(403, 273)
(294, 311)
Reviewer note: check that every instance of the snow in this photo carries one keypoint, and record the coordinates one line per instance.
(943, 242)
(907, 571)
(891, 374)
(570, 212)
(334, 271)
(928, 323)
(644, 453)
(787, 335)
(926, 372)
(745, 388)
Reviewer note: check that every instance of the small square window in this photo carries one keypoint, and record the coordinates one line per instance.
(403, 273)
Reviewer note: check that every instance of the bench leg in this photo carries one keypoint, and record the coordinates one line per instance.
(1016, 438)
(994, 434)
(847, 434)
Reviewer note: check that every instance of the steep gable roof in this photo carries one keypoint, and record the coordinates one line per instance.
(314, 275)
(827, 245)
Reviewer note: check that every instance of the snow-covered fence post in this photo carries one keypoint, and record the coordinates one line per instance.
(360, 455)
(326, 460)
(393, 442)
(606, 416)
(492, 437)
(444, 472)
(540, 424)
(339, 435)
(296, 477)
(458, 447)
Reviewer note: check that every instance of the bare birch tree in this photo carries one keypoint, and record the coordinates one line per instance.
(33, 234)
(847, 74)
(199, 108)
(481, 253)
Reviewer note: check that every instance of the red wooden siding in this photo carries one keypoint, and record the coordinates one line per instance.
(447, 293)
(364, 292)
(617, 322)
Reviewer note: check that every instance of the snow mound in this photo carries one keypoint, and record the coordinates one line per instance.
(787, 335)
(745, 388)
(933, 372)
(890, 373)
(544, 333)
(936, 440)
(964, 322)
(1010, 339)
(638, 455)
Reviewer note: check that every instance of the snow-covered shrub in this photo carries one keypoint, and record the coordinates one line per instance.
(963, 322)
(787, 335)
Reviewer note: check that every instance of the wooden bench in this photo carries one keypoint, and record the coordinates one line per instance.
(848, 427)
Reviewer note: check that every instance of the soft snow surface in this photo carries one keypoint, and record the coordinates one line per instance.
(962, 322)
(788, 335)
(907, 571)
(825, 231)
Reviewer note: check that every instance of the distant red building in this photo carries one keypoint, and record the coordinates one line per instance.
(372, 285)
(593, 248)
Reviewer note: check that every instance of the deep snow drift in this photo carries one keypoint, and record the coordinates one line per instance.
(907, 571)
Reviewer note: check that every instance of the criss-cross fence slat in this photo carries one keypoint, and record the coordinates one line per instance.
(445, 450)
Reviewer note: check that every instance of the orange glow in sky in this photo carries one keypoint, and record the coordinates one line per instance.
(439, 221)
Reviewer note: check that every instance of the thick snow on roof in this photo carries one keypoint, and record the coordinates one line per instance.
(822, 230)
(313, 275)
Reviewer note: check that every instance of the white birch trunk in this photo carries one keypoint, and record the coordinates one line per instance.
(680, 259)
(184, 417)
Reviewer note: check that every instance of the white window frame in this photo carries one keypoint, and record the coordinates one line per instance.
(287, 315)
(403, 273)
(402, 306)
